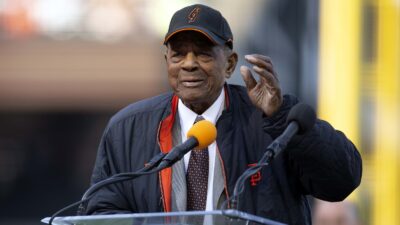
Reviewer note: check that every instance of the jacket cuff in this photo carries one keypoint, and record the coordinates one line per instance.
(275, 124)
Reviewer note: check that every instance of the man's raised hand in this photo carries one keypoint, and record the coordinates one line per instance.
(266, 93)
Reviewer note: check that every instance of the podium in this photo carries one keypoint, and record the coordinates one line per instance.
(217, 217)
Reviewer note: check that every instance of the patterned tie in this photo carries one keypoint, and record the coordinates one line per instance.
(197, 178)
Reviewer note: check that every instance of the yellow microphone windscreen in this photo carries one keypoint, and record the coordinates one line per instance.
(205, 133)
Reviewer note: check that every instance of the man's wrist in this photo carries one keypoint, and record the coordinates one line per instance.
(276, 123)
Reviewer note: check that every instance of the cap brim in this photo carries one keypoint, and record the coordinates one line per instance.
(212, 37)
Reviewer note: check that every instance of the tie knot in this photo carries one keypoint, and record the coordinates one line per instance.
(198, 118)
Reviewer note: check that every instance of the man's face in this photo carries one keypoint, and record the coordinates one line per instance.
(197, 69)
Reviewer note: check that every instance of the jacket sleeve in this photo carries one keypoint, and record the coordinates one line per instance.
(326, 164)
(109, 199)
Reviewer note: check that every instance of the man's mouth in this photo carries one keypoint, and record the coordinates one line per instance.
(192, 83)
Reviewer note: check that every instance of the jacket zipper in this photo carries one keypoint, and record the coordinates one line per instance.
(224, 175)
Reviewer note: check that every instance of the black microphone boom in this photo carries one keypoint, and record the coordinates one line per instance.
(303, 115)
(202, 134)
(301, 118)
(178, 152)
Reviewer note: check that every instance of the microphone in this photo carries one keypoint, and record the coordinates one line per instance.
(200, 135)
(301, 118)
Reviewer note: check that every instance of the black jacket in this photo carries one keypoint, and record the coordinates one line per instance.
(322, 163)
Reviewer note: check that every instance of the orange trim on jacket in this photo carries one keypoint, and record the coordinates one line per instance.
(165, 142)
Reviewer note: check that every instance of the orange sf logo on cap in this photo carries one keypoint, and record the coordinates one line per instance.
(193, 14)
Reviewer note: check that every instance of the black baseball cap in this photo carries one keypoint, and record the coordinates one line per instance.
(203, 19)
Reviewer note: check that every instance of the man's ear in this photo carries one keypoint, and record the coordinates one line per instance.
(231, 63)
(165, 54)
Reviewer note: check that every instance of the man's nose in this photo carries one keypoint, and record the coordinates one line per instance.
(190, 62)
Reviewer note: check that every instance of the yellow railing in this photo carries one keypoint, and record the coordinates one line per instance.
(339, 69)
(386, 193)
(339, 102)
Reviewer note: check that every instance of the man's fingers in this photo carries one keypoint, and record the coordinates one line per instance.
(260, 61)
(247, 77)
(256, 61)
(263, 57)
(268, 77)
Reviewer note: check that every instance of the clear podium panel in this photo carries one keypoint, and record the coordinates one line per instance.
(228, 217)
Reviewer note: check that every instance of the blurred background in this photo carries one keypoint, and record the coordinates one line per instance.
(67, 65)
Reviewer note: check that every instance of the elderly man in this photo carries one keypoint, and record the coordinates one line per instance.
(200, 58)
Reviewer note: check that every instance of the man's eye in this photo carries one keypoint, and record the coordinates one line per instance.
(176, 57)
(176, 54)
(205, 54)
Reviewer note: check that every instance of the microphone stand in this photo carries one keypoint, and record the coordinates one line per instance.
(272, 150)
(149, 168)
